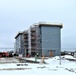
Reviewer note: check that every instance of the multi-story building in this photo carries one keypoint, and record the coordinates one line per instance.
(43, 38)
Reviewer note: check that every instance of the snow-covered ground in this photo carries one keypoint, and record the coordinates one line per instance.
(52, 66)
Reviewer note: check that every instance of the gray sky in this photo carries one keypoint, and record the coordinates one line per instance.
(19, 15)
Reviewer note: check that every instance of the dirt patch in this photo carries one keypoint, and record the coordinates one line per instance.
(71, 59)
(22, 64)
(41, 67)
(16, 69)
(71, 70)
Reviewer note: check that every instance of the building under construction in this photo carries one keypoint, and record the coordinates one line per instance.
(40, 38)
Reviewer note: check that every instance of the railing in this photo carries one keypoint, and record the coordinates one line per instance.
(33, 37)
(25, 40)
(25, 44)
(33, 30)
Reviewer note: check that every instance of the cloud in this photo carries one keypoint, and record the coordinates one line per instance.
(19, 15)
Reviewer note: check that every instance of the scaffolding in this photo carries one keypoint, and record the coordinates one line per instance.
(32, 41)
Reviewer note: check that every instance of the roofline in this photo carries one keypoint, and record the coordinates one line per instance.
(51, 24)
(48, 24)
(18, 34)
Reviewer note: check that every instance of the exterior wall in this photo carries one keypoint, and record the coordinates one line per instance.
(19, 44)
(29, 41)
(22, 45)
(38, 41)
(34, 40)
(25, 41)
(50, 38)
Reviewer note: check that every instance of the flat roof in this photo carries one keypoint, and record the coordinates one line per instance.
(19, 33)
(51, 24)
(48, 24)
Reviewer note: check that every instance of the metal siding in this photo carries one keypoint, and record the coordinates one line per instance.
(19, 44)
(50, 39)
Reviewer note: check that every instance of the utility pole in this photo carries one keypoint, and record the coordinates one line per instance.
(60, 58)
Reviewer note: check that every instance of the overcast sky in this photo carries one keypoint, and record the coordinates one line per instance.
(19, 15)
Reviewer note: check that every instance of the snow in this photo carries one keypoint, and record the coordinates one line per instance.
(8, 60)
(69, 57)
(52, 66)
